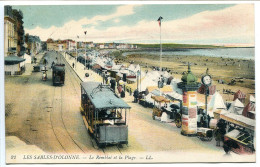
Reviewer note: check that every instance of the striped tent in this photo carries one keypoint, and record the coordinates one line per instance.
(240, 96)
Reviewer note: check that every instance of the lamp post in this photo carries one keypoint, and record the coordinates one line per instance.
(206, 81)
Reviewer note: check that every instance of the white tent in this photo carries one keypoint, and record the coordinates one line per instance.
(137, 68)
(151, 79)
(236, 107)
(174, 85)
(252, 99)
(166, 74)
(131, 67)
(216, 102)
(134, 68)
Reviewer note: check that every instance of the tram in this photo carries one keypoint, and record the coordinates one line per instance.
(58, 74)
(104, 114)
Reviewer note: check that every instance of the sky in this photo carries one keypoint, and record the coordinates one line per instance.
(222, 24)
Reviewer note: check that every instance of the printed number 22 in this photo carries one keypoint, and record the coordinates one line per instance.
(13, 156)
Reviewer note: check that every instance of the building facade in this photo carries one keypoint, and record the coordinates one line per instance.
(33, 44)
(10, 38)
(19, 31)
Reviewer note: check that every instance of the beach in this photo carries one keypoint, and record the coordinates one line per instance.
(224, 69)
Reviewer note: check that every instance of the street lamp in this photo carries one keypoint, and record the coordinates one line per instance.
(206, 81)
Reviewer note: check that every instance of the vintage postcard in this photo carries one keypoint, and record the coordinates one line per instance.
(129, 83)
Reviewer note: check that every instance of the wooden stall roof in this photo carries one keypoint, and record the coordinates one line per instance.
(160, 99)
(166, 88)
(239, 120)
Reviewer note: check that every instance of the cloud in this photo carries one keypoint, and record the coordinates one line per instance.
(236, 22)
(117, 20)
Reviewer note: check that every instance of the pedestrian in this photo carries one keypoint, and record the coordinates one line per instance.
(203, 120)
(52, 64)
(135, 95)
(73, 65)
(130, 92)
(221, 125)
(122, 94)
(218, 137)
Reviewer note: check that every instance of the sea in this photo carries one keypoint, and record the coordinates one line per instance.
(235, 53)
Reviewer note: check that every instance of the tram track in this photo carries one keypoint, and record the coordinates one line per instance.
(61, 130)
(66, 127)
(63, 136)
(78, 80)
(52, 127)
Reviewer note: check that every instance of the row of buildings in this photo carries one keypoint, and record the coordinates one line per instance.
(16, 41)
(68, 44)
(19, 48)
(14, 31)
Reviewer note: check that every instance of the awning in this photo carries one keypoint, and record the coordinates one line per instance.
(13, 60)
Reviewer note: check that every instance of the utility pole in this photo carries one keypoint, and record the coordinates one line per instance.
(85, 32)
(160, 79)
(76, 55)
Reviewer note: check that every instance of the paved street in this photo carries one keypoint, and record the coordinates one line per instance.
(48, 117)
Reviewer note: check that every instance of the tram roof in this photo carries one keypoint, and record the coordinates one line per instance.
(102, 97)
(59, 67)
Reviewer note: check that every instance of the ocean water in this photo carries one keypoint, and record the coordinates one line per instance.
(236, 53)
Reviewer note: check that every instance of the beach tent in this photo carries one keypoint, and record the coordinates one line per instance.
(165, 74)
(174, 84)
(131, 67)
(236, 107)
(215, 103)
(117, 67)
(239, 95)
(249, 110)
(134, 68)
(150, 79)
